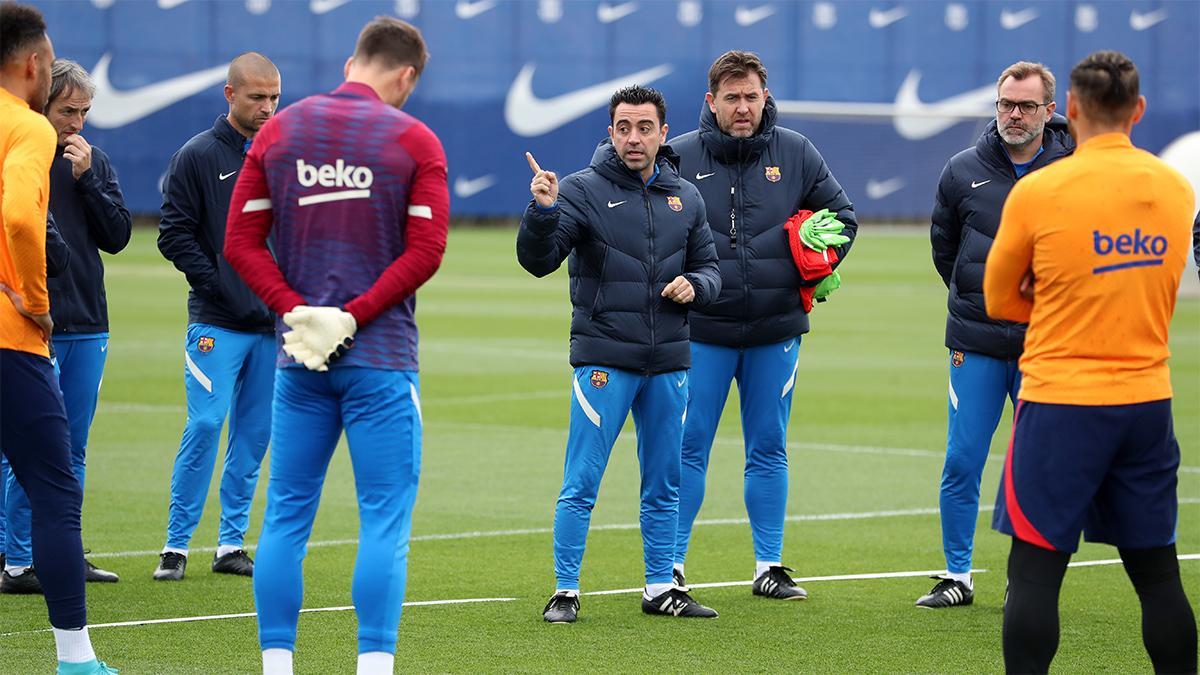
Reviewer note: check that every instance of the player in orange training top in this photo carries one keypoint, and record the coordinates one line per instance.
(1090, 252)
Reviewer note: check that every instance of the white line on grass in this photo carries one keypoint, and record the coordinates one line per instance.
(619, 591)
(248, 615)
(119, 407)
(479, 534)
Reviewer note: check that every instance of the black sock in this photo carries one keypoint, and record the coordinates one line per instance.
(1035, 577)
(1168, 624)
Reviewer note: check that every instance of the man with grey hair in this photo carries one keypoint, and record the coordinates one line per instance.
(90, 213)
(1026, 135)
(229, 353)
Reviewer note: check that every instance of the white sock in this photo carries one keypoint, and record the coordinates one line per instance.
(225, 549)
(375, 663)
(180, 551)
(74, 646)
(573, 592)
(679, 568)
(963, 577)
(655, 590)
(16, 570)
(277, 661)
(761, 566)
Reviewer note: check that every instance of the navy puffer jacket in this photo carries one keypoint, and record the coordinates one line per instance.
(751, 187)
(970, 197)
(625, 241)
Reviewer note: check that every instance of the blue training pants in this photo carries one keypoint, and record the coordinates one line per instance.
(978, 386)
(79, 366)
(601, 400)
(36, 440)
(224, 370)
(381, 413)
(766, 377)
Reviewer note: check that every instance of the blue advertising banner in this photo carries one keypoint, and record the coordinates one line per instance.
(888, 90)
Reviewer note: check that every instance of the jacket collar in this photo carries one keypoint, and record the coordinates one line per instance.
(729, 150)
(606, 163)
(356, 90)
(225, 133)
(1056, 142)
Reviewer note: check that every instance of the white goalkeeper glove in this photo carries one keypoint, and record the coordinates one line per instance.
(319, 335)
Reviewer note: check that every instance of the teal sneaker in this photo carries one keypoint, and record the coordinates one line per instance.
(93, 667)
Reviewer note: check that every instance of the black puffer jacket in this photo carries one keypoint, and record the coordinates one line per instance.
(626, 242)
(970, 197)
(761, 181)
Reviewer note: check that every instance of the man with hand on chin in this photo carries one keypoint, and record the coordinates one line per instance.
(640, 255)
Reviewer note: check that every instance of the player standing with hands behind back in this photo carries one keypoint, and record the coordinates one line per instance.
(640, 253)
(349, 255)
(1105, 236)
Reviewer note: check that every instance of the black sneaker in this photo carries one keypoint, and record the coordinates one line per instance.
(93, 574)
(562, 608)
(236, 562)
(676, 602)
(947, 593)
(170, 566)
(677, 577)
(775, 583)
(25, 583)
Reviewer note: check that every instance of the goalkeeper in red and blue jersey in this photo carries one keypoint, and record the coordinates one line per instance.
(352, 193)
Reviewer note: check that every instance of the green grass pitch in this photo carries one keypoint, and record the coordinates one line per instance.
(867, 436)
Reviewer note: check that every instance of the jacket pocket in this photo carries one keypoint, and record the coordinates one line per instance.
(599, 284)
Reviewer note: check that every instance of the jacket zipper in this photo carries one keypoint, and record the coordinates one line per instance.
(650, 286)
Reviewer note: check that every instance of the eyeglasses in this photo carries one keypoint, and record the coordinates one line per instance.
(1006, 106)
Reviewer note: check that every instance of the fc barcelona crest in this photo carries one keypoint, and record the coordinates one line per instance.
(956, 358)
(675, 203)
(773, 174)
(206, 344)
(599, 379)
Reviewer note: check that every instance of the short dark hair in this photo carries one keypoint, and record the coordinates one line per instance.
(21, 27)
(1107, 86)
(391, 43)
(637, 95)
(735, 64)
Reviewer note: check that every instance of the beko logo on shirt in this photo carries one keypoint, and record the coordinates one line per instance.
(339, 174)
(1129, 244)
(1134, 243)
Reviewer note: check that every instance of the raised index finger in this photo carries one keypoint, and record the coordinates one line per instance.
(533, 163)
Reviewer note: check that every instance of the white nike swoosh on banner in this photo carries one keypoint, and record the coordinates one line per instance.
(102, 4)
(877, 189)
(466, 10)
(702, 176)
(112, 108)
(527, 115)
(223, 176)
(912, 118)
(1014, 20)
(325, 6)
(607, 13)
(469, 187)
(882, 19)
(613, 205)
(170, 4)
(980, 184)
(1141, 21)
(744, 16)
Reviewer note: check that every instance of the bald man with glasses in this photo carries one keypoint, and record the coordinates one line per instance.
(1026, 135)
